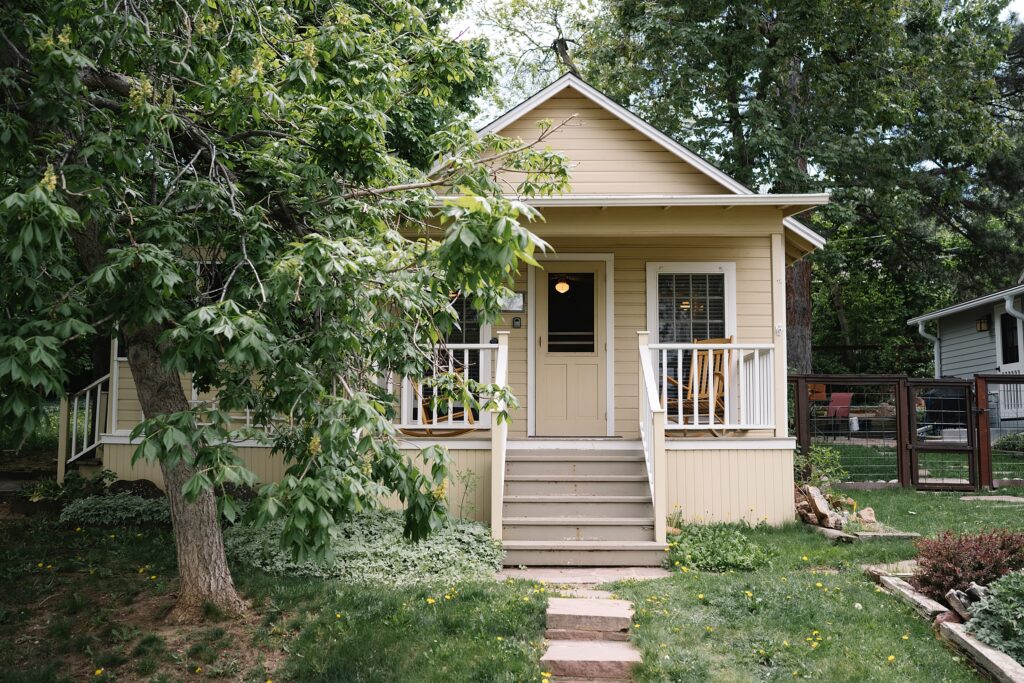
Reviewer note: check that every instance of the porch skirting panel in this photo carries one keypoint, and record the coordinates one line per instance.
(118, 457)
(731, 485)
(469, 485)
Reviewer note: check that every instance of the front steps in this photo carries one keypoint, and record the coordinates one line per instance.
(578, 508)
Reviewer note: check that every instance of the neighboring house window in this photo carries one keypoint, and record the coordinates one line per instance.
(1009, 341)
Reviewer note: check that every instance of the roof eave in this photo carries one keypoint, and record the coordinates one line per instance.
(967, 305)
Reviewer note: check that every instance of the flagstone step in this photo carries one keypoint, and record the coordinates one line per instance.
(569, 634)
(588, 659)
(582, 614)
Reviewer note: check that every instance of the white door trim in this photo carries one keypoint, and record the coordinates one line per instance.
(728, 268)
(609, 315)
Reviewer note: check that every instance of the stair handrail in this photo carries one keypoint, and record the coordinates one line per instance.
(499, 438)
(652, 436)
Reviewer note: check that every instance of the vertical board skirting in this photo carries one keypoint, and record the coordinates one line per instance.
(750, 486)
(476, 504)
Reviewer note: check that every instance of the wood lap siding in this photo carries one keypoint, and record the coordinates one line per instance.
(607, 155)
(731, 485)
(965, 351)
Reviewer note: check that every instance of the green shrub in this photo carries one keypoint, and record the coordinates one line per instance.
(1010, 442)
(44, 439)
(372, 549)
(998, 620)
(714, 548)
(75, 487)
(120, 509)
(822, 467)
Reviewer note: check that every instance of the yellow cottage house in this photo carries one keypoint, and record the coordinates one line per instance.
(648, 355)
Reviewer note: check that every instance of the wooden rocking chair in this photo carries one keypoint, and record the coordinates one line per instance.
(698, 388)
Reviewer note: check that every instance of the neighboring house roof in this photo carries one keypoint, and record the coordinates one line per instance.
(738, 194)
(968, 305)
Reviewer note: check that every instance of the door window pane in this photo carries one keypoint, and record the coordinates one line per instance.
(571, 312)
(1008, 337)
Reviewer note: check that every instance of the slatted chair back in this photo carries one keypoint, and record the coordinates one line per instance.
(699, 386)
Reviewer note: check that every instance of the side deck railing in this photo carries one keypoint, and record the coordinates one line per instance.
(83, 417)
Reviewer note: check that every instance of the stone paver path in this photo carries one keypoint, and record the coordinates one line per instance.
(588, 638)
(993, 499)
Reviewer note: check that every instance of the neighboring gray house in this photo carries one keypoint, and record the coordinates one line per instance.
(984, 335)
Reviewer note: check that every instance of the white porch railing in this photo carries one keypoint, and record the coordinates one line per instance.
(499, 440)
(417, 408)
(82, 420)
(652, 436)
(715, 386)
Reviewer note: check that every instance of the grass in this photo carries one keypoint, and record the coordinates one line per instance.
(78, 602)
(878, 463)
(817, 618)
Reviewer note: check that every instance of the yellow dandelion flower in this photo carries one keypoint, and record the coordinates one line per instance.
(499, 639)
(785, 643)
(905, 636)
(337, 615)
(814, 644)
(199, 669)
(700, 596)
(748, 594)
(818, 584)
(891, 658)
(431, 601)
(153, 577)
(97, 672)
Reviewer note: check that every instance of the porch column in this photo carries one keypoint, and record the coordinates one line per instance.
(778, 254)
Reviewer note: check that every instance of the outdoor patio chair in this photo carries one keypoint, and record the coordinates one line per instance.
(698, 387)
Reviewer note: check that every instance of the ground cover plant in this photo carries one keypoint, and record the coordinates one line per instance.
(119, 509)
(998, 619)
(89, 603)
(811, 614)
(714, 548)
(372, 549)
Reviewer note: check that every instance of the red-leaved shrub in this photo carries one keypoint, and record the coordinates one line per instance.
(952, 561)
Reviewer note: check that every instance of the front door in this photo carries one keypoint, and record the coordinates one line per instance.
(571, 349)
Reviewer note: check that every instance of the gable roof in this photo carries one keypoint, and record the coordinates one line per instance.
(806, 238)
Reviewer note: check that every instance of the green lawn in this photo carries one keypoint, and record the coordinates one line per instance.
(874, 463)
(818, 618)
(77, 602)
(74, 603)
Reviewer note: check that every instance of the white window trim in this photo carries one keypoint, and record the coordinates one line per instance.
(609, 312)
(655, 268)
(997, 318)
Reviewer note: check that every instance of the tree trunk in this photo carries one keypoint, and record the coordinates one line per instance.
(202, 565)
(798, 316)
